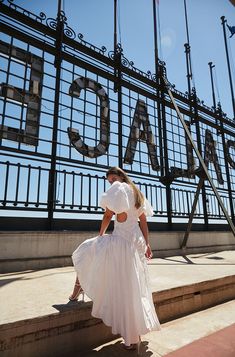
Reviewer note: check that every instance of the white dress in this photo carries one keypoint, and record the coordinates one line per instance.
(112, 269)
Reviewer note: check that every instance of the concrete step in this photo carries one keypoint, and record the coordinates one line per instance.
(38, 320)
(208, 333)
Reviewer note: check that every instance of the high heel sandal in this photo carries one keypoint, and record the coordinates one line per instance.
(130, 347)
(134, 346)
(75, 296)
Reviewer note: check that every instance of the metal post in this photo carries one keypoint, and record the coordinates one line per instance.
(155, 36)
(204, 198)
(57, 64)
(211, 66)
(117, 84)
(188, 67)
(186, 20)
(157, 70)
(115, 28)
(189, 226)
(194, 114)
(166, 162)
(120, 154)
(228, 64)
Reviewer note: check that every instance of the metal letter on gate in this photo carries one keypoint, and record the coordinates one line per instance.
(31, 97)
(75, 138)
(141, 117)
(210, 155)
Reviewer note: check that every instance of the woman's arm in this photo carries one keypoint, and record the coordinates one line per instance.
(145, 231)
(105, 221)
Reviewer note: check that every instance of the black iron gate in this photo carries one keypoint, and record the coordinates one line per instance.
(69, 110)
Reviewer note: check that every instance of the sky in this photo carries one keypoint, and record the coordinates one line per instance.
(94, 19)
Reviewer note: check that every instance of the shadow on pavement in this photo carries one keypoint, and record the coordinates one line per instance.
(71, 305)
(117, 350)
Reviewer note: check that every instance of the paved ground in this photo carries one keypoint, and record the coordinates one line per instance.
(208, 333)
(34, 293)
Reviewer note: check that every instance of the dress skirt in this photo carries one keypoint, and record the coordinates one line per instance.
(112, 270)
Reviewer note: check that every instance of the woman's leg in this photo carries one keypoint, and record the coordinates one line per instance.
(76, 290)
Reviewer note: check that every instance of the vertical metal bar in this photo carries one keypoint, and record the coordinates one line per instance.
(187, 45)
(186, 20)
(39, 183)
(155, 36)
(156, 59)
(174, 209)
(183, 202)
(81, 192)
(117, 84)
(228, 64)
(210, 204)
(189, 73)
(211, 66)
(73, 189)
(17, 184)
(156, 199)
(115, 29)
(23, 103)
(166, 162)
(6, 184)
(161, 200)
(151, 193)
(89, 192)
(57, 64)
(64, 190)
(28, 186)
(187, 198)
(119, 88)
(97, 192)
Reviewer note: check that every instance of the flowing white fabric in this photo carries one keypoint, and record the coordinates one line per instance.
(112, 270)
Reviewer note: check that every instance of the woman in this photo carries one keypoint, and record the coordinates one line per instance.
(112, 268)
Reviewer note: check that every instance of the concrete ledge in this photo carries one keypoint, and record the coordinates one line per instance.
(55, 334)
(39, 250)
(180, 301)
(73, 329)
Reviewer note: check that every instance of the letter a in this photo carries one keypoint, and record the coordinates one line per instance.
(141, 117)
(210, 155)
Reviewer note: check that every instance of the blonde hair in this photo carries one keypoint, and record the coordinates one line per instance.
(139, 197)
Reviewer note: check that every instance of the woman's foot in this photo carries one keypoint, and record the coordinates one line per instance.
(133, 346)
(76, 292)
(130, 347)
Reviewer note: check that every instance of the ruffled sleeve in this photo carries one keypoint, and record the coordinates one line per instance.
(147, 209)
(115, 198)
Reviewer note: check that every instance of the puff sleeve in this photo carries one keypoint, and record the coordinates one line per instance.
(147, 209)
(115, 198)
